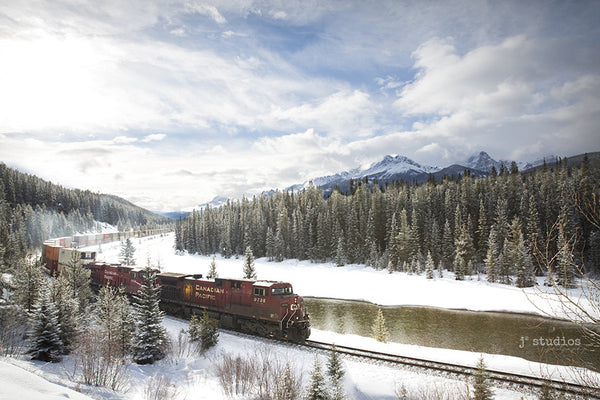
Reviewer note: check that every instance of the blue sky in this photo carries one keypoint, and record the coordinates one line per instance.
(170, 104)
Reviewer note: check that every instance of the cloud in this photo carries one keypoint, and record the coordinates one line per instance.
(157, 137)
(207, 10)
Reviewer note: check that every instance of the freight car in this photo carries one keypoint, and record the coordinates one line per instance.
(57, 252)
(264, 308)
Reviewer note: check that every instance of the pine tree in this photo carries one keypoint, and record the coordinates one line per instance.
(209, 334)
(150, 338)
(317, 389)
(379, 329)
(127, 253)
(481, 384)
(565, 268)
(78, 278)
(67, 311)
(28, 281)
(520, 256)
(212, 270)
(491, 259)
(289, 387)
(112, 312)
(45, 335)
(335, 371)
(249, 271)
(340, 254)
(429, 266)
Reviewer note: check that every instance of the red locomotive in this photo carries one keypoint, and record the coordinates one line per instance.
(264, 308)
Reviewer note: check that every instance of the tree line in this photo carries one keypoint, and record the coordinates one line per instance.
(33, 210)
(495, 224)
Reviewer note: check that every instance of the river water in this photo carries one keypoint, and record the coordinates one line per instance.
(527, 336)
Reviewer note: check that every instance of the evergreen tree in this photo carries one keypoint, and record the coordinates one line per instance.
(340, 254)
(565, 268)
(67, 311)
(491, 259)
(317, 389)
(28, 280)
(212, 270)
(289, 386)
(209, 334)
(249, 271)
(520, 256)
(78, 278)
(150, 339)
(335, 370)
(45, 335)
(112, 312)
(481, 384)
(379, 329)
(127, 253)
(429, 266)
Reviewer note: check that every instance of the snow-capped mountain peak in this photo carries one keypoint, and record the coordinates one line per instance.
(481, 162)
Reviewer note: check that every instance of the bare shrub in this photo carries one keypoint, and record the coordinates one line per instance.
(160, 387)
(181, 346)
(448, 391)
(261, 376)
(95, 364)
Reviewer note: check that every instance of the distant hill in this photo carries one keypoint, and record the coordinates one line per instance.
(33, 210)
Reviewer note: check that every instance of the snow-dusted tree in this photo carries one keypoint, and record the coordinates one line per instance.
(317, 389)
(491, 259)
(67, 311)
(113, 315)
(564, 272)
(481, 385)
(203, 331)
(28, 280)
(127, 253)
(429, 266)
(78, 278)
(340, 253)
(335, 371)
(45, 334)
(520, 256)
(150, 339)
(212, 269)
(380, 332)
(249, 271)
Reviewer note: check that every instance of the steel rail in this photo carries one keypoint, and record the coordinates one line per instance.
(495, 375)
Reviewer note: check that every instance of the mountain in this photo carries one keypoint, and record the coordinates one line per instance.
(399, 168)
(390, 168)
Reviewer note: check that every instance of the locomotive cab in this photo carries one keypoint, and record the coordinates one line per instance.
(293, 317)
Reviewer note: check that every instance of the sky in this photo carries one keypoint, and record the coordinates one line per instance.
(171, 103)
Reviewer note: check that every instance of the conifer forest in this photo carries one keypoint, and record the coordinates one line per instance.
(499, 224)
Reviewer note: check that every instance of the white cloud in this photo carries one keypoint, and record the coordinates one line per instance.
(207, 10)
(154, 137)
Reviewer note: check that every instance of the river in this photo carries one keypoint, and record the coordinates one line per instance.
(527, 336)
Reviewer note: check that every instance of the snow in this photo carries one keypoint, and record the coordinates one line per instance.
(354, 282)
(195, 377)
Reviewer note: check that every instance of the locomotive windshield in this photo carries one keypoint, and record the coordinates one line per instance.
(280, 291)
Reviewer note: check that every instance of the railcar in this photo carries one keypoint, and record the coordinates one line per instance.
(264, 308)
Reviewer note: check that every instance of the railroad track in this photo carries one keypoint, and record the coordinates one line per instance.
(498, 376)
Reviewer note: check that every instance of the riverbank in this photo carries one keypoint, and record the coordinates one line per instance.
(358, 282)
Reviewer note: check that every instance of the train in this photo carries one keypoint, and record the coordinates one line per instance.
(263, 308)
(58, 252)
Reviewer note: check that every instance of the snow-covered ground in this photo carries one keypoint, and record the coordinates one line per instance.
(352, 282)
(195, 377)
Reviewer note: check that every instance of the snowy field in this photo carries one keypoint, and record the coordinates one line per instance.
(195, 377)
(351, 282)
